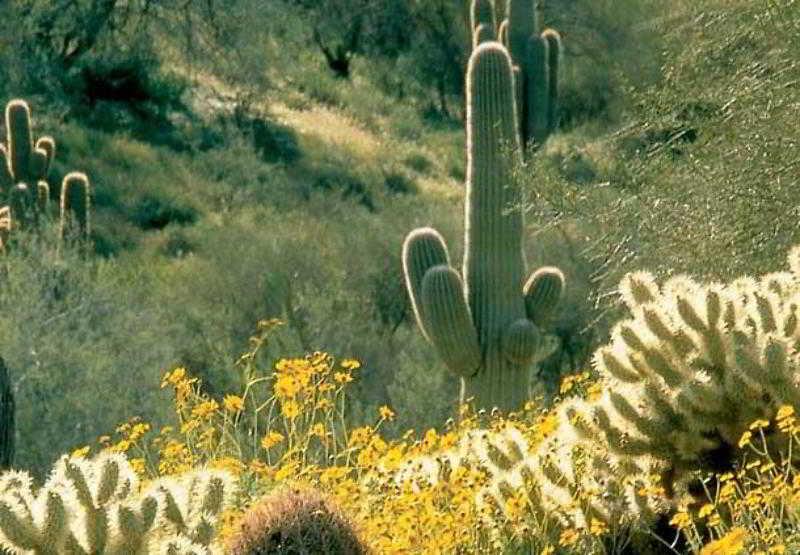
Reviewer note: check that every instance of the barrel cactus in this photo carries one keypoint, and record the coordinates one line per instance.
(485, 324)
(295, 521)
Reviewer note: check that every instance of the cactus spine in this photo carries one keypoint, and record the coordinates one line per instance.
(96, 506)
(538, 57)
(484, 326)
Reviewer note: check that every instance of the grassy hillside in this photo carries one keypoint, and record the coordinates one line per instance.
(287, 194)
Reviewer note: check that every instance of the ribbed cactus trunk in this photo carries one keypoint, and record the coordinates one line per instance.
(485, 327)
(493, 262)
(7, 419)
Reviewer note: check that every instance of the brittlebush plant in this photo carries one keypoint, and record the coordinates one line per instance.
(418, 493)
(486, 483)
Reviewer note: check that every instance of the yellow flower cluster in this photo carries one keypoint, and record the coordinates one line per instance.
(747, 509)
(457, 490)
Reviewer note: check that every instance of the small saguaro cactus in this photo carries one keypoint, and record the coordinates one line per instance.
(537, 55)
(486, 327)
(75, 205)
(23, 163)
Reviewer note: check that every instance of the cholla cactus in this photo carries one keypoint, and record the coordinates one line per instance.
(695, 366)
(95, 507)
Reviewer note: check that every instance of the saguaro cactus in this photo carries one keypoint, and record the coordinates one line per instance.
(7, 419)
(75, 205)
(23, 162)
(486, 327)
(538, 57)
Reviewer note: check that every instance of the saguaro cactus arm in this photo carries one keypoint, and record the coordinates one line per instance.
(554, 53)
(543, 292)
(437, 297)
(537, 90)
(449, 321)
(482, 33)
(481, 13)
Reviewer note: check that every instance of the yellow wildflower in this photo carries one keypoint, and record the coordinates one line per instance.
(681, 520)
(598, 527)
(271, 440)
(351, 364)
(729, 544)
(386, 413)
(784, 412)
(81, 453)
(705, 510)
(745, 439)
(759, 424)
(290, 409)
(342, 377)
(568, 537)
(233, 403)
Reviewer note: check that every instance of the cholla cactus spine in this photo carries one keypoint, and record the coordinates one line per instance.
(94, 506)
(482, 326)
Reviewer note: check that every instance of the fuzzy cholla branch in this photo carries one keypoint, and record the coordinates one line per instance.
(96, 506)
(696, 365)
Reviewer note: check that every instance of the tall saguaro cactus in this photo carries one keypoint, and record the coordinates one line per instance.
(486, 327)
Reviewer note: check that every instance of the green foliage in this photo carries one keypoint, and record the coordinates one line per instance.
(97, 506)
(295, 521)
(484, 327)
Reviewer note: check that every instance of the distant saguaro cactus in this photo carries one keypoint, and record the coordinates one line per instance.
(486, 327)
(75, 205)
(23, 163)
(538, 56)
